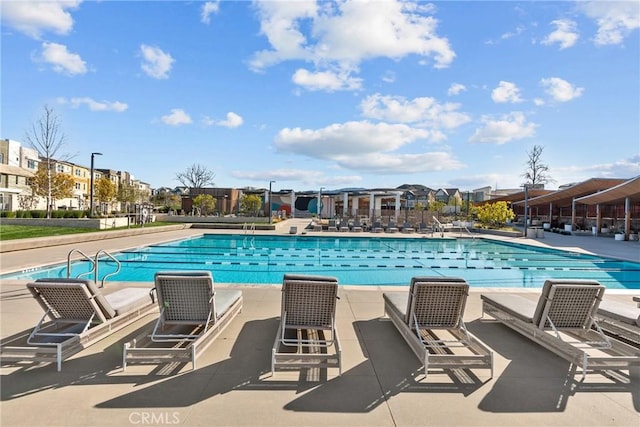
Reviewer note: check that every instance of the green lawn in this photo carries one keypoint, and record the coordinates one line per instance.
(12, 232)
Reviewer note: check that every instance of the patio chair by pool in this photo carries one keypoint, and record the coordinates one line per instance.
(377, 227)
(620, 319)
(564, 322)
(429, 318)
(192, 315)
(357, 225)
(307, 328)
(77, 315)
(408, 228)
(392, 227)
(333, 226)
(344, 225)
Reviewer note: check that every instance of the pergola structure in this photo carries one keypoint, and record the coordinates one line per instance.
(627, 192)
(566, 198)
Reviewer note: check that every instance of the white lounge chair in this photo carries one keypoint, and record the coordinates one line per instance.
(191, 317)
(392, 227)
(307, 329)
(408, 228)
(77, 315)
(564, 322)
(357, 225)
(432, 310)
(620, 319)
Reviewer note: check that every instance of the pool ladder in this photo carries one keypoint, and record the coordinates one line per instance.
(95, 263)
(439, 227)
(250, 240)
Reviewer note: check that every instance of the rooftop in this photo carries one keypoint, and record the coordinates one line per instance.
(381, 383)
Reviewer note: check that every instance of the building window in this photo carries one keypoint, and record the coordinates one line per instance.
(77, 172)
(31, 164)
(77, 186)
(1, 158)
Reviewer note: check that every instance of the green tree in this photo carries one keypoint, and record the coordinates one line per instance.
(205, 203)
(126, 195)
(168, 200)
(437, 207)
(494, 215)
(106, 191)
(250, 204)
(51, 185)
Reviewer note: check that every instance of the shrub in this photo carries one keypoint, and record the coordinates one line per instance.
(8, 214)
(494, 214)
(38, 213)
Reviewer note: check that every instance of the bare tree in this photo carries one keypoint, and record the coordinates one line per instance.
(196, 176)
(46, 138)
(536, 172)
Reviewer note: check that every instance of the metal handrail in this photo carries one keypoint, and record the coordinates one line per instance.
(441, 227)
(102, 251)
(93, 263)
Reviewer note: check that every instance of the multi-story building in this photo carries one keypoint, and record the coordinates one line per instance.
(17, 165)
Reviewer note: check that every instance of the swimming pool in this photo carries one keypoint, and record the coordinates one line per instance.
(259, 259)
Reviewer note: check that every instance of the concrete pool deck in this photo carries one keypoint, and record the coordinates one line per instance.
(380, 385)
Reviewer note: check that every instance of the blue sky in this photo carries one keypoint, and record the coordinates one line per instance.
(331, 94)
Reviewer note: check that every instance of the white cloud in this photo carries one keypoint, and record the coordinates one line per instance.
(396, 163)
(306, 176)
(625, 168)
(232, 121)
(565, 34)
(176, 118)
(325, 80)
(35, 17)
(456, 88)
(94, 105)
(340, 35)
(615, 19)
(389, 77)
(509, 127)
(423, 111)
(61, 60)
(364, 146)
(561, 90)
(506, 92)
(350, 138)
(538, 102)
(519, 29)
(156, 63)
(209, 8)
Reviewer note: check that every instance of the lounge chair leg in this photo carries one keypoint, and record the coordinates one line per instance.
(59, 356)
(426, 363)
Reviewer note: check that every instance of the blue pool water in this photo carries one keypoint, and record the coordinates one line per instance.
(356, 261)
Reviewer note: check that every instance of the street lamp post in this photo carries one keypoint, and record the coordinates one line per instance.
(270, 206)
(320, 203)
(91, 189)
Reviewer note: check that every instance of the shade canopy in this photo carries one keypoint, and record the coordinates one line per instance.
(565, 196)
(617, 194)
